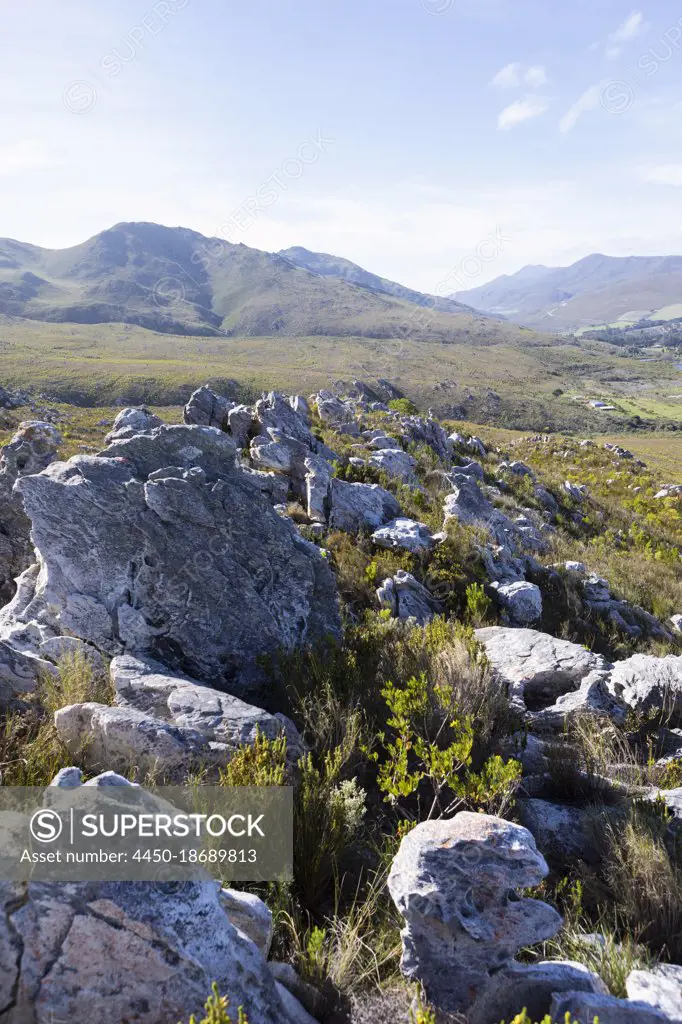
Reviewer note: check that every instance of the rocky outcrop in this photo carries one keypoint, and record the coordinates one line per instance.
(32, 449)
(395, 463)
(648, 684)
(406, 598)
(456, 885)
(405, 534)
(205, 408)
(126, 951)
(162, 546)
(355, 507)
(132, 421)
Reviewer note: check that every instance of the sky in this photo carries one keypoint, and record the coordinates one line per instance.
(439, 143)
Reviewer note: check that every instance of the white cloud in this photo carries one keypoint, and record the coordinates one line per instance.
(589, 100)
(629, 29)
(663, 174)
(535, 76)
(521, 110)
(24, 155)
(507, 77)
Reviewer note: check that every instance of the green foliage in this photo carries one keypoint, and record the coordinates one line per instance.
(478, 604)
(216, 1010)
(523, 1018)
(404, 406)
(261, 763)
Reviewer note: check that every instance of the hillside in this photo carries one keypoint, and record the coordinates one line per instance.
(594, 291)
(177, 281)
(324, 265)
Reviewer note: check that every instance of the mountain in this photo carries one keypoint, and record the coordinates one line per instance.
(174, 280)
(596, 290)
(324, 265)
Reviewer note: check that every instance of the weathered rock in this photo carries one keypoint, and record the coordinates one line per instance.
(131, 951)
(560, 830)
(417, 430)
(395, 462)
(468, 505)
(406, 534)
(592, 697)
(407, 598)
(132, 421)
(162, 545)
(317, 486)
(20, 672)
(277, 412)
(380, 442)
(32, 448)
(332, 409)
(676, 621)
(538, 667)
(648, 684)
(205, 408)
(546, 499)
(357, 507)
(455, 884)
(516, 469)
(531, 986)
(311, 1000)
(240, 422)
(575, 491)
(58, 647)
(275, 486)
(250, 916)
(660, 987)
(294, 1012)
(279, 452)
(585, 1007)
(522, 601)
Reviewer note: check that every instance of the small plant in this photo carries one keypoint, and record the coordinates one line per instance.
(261, 763)
(423, 1014)
(216, 1007)
(478, 604)
(523, 1018)
(403, 406)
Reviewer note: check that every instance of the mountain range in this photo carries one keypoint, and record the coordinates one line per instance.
(175, 280)
(597, 290)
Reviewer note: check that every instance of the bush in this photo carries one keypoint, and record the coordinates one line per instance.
(216, 1010)
(403, 406)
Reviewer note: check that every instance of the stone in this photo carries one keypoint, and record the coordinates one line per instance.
(646, 683)
(32, 448)
(311, 1000)
(660, 987)
(406, 598)
(294, 1012)
(405, 534)
(131, 951)
(469, 506)
(276, 411)
(279, 452)
(357, 507)
(418, 430)
(218, 720)
(546, 499)
(560, 830)
(162, 546)
(522, 601)
(205, 408)
(531, 986)
(592, 697)
(317, 486)
(300, 406)
(275, 486)
(584, 1007)
(380, 442)
(455, 883)
(676, 621)
(516, 469)
(240, 423)
(20, 672)
(538, 667)
(58, 647)
(575, 491)
(132, 421)
(332, 409)
(396, 463)
(250, 916)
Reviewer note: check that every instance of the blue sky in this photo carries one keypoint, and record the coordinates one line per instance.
(402, 134)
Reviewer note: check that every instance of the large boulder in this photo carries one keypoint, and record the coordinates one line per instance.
(647, 684)
(127, 951)
(404, 534)
(456, 885)
(277, 412)
(161, 545)
(660, 987)
(138, 420)
(396, 463)
(355, 507)
(205, 408)
(522, 601)
(406, 598)
(32, 449)
(538, 667)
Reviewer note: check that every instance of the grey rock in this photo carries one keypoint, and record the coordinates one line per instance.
(406, 598)
(308, 997)
(293, 1011)
(455, 883)
(396, 463)
(357, 507)
(332, 409)
(277, 412)
(205, 408)
(516, 469)
(188, 564)
(20, 672)
(275, 486)
(585, 1006)
(546, 499)
(560, 830)
(136, 952)
(575, 491)
(32, 448)
(58, 647)
(418, 430)
(317, 486)
(531, 986)
(522, 601)
(68, 778)
(405, 534)
(660, 987)
(250, 916)
(132, 421)
(538, 667)
(300, 405)
(380, 442)
(240, 423)
(279, 452)
(592, 697)
(647, 683)
(676, 621)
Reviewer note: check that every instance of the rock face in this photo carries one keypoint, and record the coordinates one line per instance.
(165, 723)
(455, 883)
(647, 683)
(360, 506)
(538, 667)
(660, 988)
(161, 545)
(32, 449)
(126, 951)
(406, 598)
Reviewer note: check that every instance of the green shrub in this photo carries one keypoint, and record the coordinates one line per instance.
(478, 604)
(216, 1010)
(403, 406)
